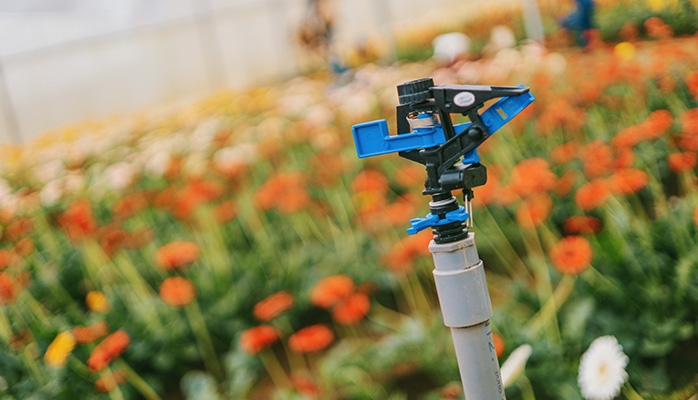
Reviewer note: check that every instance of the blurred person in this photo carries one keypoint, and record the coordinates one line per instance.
(580, 21)
(316, 33)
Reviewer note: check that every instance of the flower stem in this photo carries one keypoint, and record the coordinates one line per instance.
(198, 326)
(275, 370)
(630, 392)
(139, 383)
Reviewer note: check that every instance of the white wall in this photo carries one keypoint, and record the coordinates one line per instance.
(82, 59)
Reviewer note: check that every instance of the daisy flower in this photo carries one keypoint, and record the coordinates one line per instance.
(602, 369)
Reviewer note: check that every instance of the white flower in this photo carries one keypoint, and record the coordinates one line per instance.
(602, 369)
(514, 366)
(120, 175)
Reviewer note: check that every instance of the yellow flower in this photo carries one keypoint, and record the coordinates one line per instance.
(59, 350)
(97, 302)
(624, 51)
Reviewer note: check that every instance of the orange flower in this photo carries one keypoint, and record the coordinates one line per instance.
(499, 345)
(226, 211)
(108, 349)
(565, 183)
(628, 137)
(679, 162)
(110, 381)
(11, 286)
(689, 121)
(410, 176)
(7, 258)
(369, 181)
(571, 255)
(272, 306)
(97, 301)
(310, 339)
(534, 210)
(532, 176)
(176, 291)
(112, 240)
(598, 159)
(331, 290)
(657, 28)
(19, 228)
(254, 340)
(564, 153)
(352, 309)
(592, 194)
(176, 254)
(60, 348)
(625, 158)
(402, 256)
(628, 181)
(695, 215)
(129, 205)
(24, 247)
(575, 225)
(692, 83)
(88, 334)
(77, 221)
(657, 124)
(283, 191)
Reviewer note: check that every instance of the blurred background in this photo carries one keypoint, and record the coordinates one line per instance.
(64, 61)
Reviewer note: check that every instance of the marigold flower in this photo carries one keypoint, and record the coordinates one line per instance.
(499, 345)
(598, 159)
(110, 381)
(7, 258)
(112, 240)
(534, 210)
(680, 162)
(11, 286)
(579, 224)
(97, 301)
(310, 339)
(571, 255)
(272, 306)
(108, 349)
(625, 158)
(692, 83)
(177, 291)
(90, 333)
(689, 121)
(369, 181)
(330, 290)
(628, 181)
(565, 183)
(18, 228)
(695, 216)
(77, 221)
(657, 124)
(592, 194)
(129, 205)
(271, 194)
(58, 351)
(564, 153)
(176, 254)
(254, 340)
(352, 309)
(531, 176)
(628, 137)
(402, 256)
(225, 211)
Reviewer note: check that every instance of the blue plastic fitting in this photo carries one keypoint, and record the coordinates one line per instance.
(431, 220)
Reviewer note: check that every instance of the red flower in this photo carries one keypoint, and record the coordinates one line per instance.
(108, 349)
(77, 221)
(310, 339)
(176, 254)
(254, 340)
(352, 309)
(592, 194)
(571, 255)
(176, 291)
(330, 290)
(534, 210)
(88, 334)
(679, 162)
(272, 306)
(581, 224)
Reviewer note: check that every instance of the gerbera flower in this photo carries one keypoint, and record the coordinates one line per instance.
(176, 254)
(176, 291)
(310, 339)
(272, 306)
(571, 255)
(253, 340)
(331, 290)
(602, 369)
(58, 351)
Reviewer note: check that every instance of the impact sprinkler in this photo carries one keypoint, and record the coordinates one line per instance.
(427, 135)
